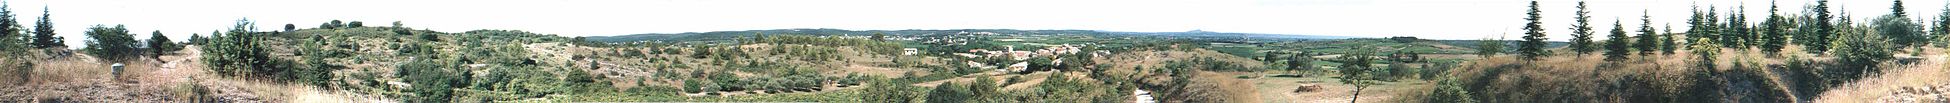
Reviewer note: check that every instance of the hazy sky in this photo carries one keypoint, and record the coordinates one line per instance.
(1439, 19)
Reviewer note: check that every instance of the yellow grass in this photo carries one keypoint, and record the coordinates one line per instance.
(1931, 72)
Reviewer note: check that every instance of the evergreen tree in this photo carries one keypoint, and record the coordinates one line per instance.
(1699, 26)
(1666, 42)
(238, 53)
(290, 27)
(159, 44)
(1532, 47)
(197, 39)
(1818, 40)
(1618, 46)
(44, 33)
(1705, 51)
(1941, 29)
(11, 38)
(1648, 39)
(1774, 31)
(1865, 51)
(13, 43)
(1734, 35)
(1901, 31)
(1581, 32)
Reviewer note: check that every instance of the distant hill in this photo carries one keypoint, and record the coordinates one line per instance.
(728, 35)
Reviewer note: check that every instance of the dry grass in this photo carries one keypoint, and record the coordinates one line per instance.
(1590, 78)
(1931, 72)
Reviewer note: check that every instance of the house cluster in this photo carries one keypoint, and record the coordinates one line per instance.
(1013, 54)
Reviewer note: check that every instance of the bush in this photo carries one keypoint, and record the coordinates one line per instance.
(111, 43)
(886, 91)
(948, 93)
(432, 81)
(1450, 91)
(355, 24)
(238, 53)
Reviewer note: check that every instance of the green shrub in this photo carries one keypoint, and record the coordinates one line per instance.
(111, 43)
(1450, 91)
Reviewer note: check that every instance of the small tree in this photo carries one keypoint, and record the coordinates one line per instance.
(1773, 35)
(1299, 62)
(290, 27)
(1618, 46)
(1648, 39)
(1355, 71)
(110, 43)
(159, 44)
(1581, 32)
(355, 24)
(877, 36)
(1487, 47)
(1532, 47)
(44, 32)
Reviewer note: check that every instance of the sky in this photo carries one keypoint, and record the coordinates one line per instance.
(1436, 19)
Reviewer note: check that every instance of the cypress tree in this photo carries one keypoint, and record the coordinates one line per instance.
(1774, 30)
(1617, 46)
(1581, 32)
(1532, 47)
(44, 33)
(1648, 40)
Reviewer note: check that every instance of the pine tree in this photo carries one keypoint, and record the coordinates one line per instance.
(1734, 35)
(1901, 31)
(1714, 30)
(44, 33)
(1819, 39)
(1774, 31)
(238, 53)
(12, 41)
(1532, 47)
(1700, 28)
(1648, 39)
(1581, 32)
(1941, 29)
(159, 44)
(1619, 45)
(11, 38)
(1705, 51)
(1666, 43)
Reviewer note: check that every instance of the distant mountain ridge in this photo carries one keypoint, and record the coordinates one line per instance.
(729, 35)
